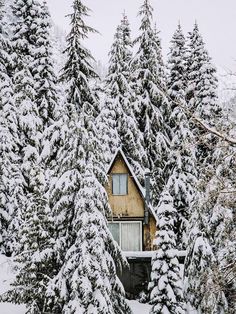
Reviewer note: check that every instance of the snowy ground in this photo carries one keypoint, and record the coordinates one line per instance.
(6, 275)
(139, 308)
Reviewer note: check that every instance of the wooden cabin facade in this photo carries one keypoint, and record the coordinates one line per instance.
(132, 224)
(127, 200)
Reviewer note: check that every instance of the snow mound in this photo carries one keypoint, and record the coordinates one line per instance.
(6, 276)
(139, 308)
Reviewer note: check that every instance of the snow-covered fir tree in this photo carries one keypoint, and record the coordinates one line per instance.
(181, 164)
(87, 281)
(11, 181)
(43, 70)
(34, 95)
(77, 68)
(201, 74)
(201, 94)
(48, 98)
(34, 259)
(165, 287)
(80, 203)
(202, 287)
(29, 122)
(222, 224)
(176, 79)
(151, 98)
(205, 288)
(35, 262)
(119, 125)
(182, 180)
(110, 111)
(213, 221)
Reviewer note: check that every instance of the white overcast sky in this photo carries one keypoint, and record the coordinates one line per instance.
(216, 19)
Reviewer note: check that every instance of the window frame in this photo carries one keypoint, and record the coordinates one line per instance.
(118, 174)
(120, 237)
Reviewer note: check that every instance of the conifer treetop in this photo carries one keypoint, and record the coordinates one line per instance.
(176, 81)
(78, 69)
(43, 69)
(118, 109)
(117, 80)
(202, 86)
(147, 64)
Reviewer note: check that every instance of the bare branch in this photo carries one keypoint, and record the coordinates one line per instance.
(200, 122)
(228, 192)
(211, 130)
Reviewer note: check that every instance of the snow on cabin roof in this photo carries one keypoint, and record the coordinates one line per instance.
(140, 188)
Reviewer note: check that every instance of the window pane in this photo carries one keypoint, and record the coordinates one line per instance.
(115, 231)
(119, 184)
(130, 236)
(123, 183)
(115, 184)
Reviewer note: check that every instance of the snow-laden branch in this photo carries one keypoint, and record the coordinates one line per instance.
(211, 130)
(200, 122)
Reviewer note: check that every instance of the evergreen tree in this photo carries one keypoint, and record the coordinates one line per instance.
(176, 80)
(181, 162)
(80, 202)
(201, 94)
(110, 109)
(201, 275)
(202, 82)
(182, 180)
(77, 68)
(11, 181)
(217, 205)
(34, 263)
(211, 237)
(43, 70)
(29, 122)
(87, 281)
(205, 288)
(47, 98)
(166, 289)
(222, 226)
(151, 99)
(35, 89)
(118, 112)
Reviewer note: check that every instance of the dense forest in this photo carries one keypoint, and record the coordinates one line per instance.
(60, 125)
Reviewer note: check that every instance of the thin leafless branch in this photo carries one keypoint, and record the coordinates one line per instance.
(203, 124)
(211, 130)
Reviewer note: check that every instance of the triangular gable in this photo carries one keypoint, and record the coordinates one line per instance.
(140, 188)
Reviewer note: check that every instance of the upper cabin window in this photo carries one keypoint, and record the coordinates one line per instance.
(120, 184)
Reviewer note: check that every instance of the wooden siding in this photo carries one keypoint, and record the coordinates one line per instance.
(130, 205)
(149, 234)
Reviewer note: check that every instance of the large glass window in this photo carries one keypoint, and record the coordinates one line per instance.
(127, 234)
(120, 184)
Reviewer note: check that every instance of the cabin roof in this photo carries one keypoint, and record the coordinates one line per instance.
(139, 186)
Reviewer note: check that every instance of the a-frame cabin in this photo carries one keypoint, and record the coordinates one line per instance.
(132, 224)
